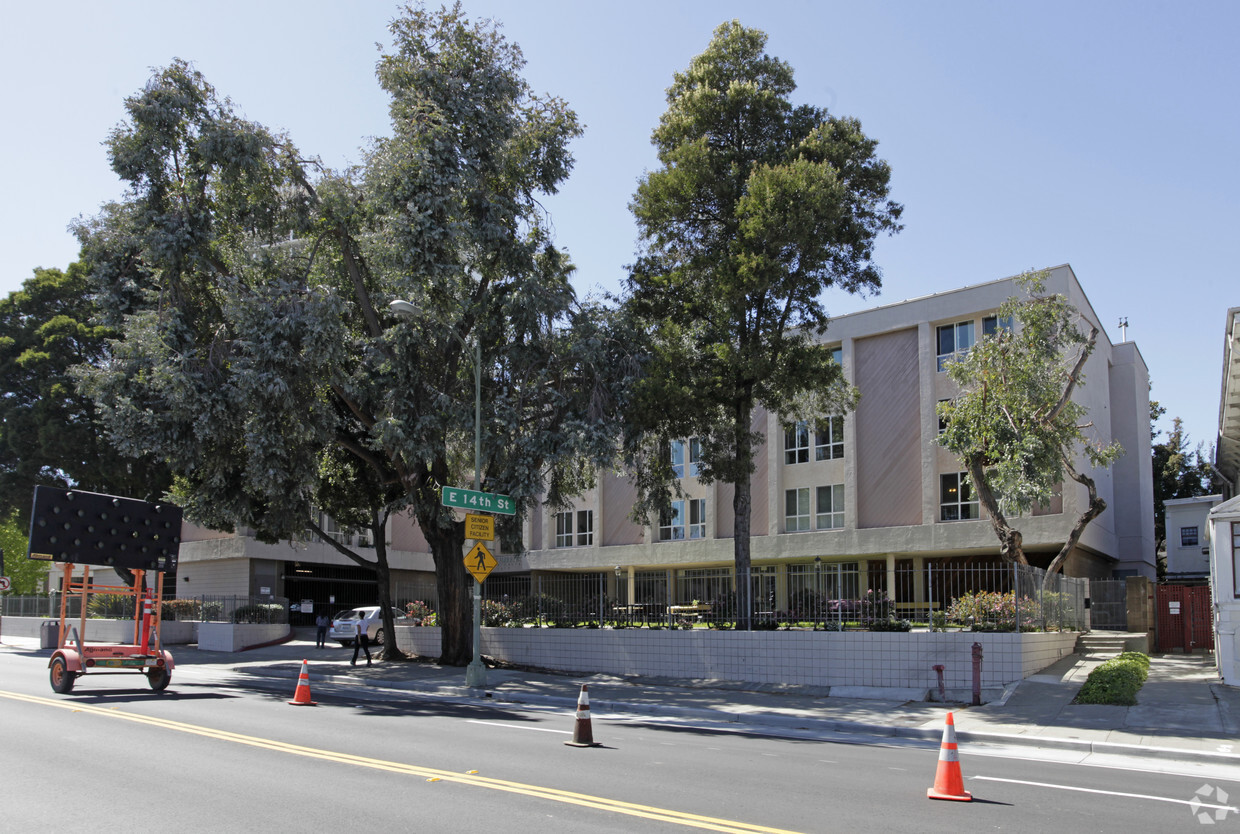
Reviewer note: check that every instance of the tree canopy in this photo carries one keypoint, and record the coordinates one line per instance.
(1015, 424)
(758, 208)
(253, 286)
(50, 434)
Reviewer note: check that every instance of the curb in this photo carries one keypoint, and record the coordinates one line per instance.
(767, 719)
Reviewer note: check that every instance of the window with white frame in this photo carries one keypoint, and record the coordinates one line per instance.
(829, 439)
(697, 518)
(564, 529)
(829, 513)
(677, 451)
(672, 522)
(1188, 536)
(956, 499)
(796, 510)
(954, 340)
(993, 324)
(837, 354)
(695, 457)
(796, 443)
(585, 528)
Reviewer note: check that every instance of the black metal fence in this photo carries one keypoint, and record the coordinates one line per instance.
(205, 608)
(990, 597)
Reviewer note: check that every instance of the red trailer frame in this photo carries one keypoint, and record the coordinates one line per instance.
(144, 656)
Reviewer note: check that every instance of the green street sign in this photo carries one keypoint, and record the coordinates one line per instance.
(468, 499)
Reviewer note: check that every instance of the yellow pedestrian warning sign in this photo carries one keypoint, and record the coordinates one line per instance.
(480, 527)
(479, 562)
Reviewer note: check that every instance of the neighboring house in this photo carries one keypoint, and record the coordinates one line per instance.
(870, 493)
(1225, 517)
(1225, 587)
(1188, 538)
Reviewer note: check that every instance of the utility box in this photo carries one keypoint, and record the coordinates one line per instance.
(49, 634)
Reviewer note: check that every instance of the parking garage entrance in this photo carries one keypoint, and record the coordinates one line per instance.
(330, 588)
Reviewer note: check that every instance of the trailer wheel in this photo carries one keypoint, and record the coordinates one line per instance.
(158, 678)
(61, 678)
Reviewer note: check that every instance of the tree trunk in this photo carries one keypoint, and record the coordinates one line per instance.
(455, 613)
(1010, 542)
(383, 575)
(742, 507)
(1093, 510)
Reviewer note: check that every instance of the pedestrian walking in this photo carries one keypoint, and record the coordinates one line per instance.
(362, 642)
(320, 632)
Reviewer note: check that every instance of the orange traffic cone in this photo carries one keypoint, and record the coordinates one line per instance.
(301, 698)
(583, 734)
(948, 783)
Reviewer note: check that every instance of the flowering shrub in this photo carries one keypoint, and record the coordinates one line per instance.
(420, 611)
(876, 607)
(496, 614)
(993, 611)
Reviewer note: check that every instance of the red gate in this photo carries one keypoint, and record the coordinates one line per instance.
(1184, 618)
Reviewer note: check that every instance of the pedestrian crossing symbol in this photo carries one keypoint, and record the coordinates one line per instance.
(479, 562)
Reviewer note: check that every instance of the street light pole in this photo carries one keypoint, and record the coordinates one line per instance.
(476, 671)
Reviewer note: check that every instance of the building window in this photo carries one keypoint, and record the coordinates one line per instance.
(678, 449)
(829, 439)
(585, 528)
(796, 510)
(1188, 537)
(672, 522)
(697, 518)
(837, 354)
(830, 511)
(564, 529)
(942, 419)
(954, 341)
(993, 324)
(796, 443)
(956, 499)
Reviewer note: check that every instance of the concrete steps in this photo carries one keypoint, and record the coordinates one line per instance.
(1104, 644)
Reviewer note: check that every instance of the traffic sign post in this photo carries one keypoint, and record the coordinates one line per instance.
(469, 499)
(479, 562)
(480, 528)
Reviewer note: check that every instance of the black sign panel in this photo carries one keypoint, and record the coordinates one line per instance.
(87, 528)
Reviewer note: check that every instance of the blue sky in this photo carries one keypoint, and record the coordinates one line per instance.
(1100, 134)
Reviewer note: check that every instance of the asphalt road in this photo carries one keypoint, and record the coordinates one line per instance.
(217, 753)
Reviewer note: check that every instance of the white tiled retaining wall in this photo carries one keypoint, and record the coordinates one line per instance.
(878, 659)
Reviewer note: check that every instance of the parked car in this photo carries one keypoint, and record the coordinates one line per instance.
(347, 625)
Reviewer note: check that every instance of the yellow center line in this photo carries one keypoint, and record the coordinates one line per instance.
(537, 791)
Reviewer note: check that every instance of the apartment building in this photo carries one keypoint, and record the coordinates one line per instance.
(872, 491)
(864, 494)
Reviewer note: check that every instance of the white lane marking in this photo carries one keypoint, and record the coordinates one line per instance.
(517, 727)
(1108, 793)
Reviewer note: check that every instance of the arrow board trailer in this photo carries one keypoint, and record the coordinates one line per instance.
(140, 540)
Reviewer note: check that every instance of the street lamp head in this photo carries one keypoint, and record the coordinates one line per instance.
(404, 309)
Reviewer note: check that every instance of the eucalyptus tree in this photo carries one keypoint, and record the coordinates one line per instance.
(758, 208)
(50, 434)
(253, 287)
(1016, 425)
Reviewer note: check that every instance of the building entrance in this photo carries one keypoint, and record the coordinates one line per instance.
(330, 588)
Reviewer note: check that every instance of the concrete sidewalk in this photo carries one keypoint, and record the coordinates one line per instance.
(1184, 713)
